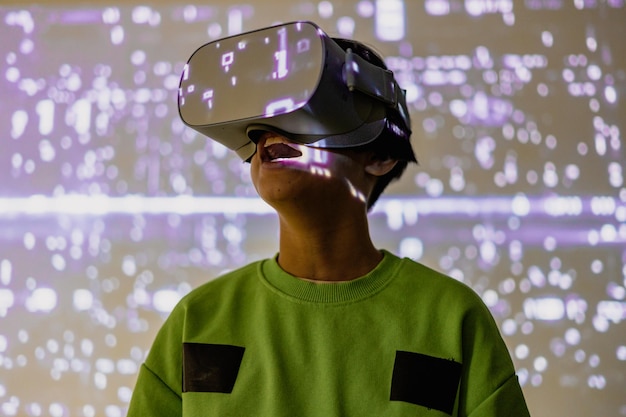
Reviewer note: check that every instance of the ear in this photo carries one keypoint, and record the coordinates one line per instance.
(379, 167)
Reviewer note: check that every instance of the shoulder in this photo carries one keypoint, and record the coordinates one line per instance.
(417, 281)
(207, 300)
(424, 277)
(229, 285)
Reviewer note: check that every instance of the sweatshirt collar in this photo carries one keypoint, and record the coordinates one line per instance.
(354, 290)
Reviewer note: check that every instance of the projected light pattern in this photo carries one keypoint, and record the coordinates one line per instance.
(111, 210)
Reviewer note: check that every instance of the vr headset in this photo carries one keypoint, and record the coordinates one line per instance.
(291, 79)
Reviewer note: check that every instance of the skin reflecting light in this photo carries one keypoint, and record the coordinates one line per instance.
(355, 193)
(317, 161)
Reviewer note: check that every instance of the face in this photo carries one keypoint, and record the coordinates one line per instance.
(285, 173)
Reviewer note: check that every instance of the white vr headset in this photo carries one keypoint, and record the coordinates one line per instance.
(292, 79)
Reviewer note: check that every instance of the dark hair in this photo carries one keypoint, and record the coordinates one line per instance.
(393, 142)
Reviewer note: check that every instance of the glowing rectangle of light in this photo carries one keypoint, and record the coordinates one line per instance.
(614, 311)
(82, 114)
(547, 308)
(6, 270)
(235, 21)
(101, 204)
(437, 7)
(390, 20)
(45, 111)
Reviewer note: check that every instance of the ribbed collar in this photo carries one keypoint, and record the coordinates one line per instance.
(297, 289)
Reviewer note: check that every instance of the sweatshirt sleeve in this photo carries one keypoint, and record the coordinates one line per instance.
(152, 397)
(158, 390)
(489, 386)
(507, 400)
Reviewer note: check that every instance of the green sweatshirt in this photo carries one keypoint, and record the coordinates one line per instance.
(403, 340)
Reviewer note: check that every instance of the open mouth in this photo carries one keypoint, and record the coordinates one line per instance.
(275, 149)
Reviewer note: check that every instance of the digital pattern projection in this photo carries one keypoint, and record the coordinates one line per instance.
(111, 209)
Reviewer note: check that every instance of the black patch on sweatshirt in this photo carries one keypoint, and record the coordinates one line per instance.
(425, 380)
(210, 368)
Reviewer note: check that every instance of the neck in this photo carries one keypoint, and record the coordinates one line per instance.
(321, 250)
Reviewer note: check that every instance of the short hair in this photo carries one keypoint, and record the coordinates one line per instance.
(394, 140)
